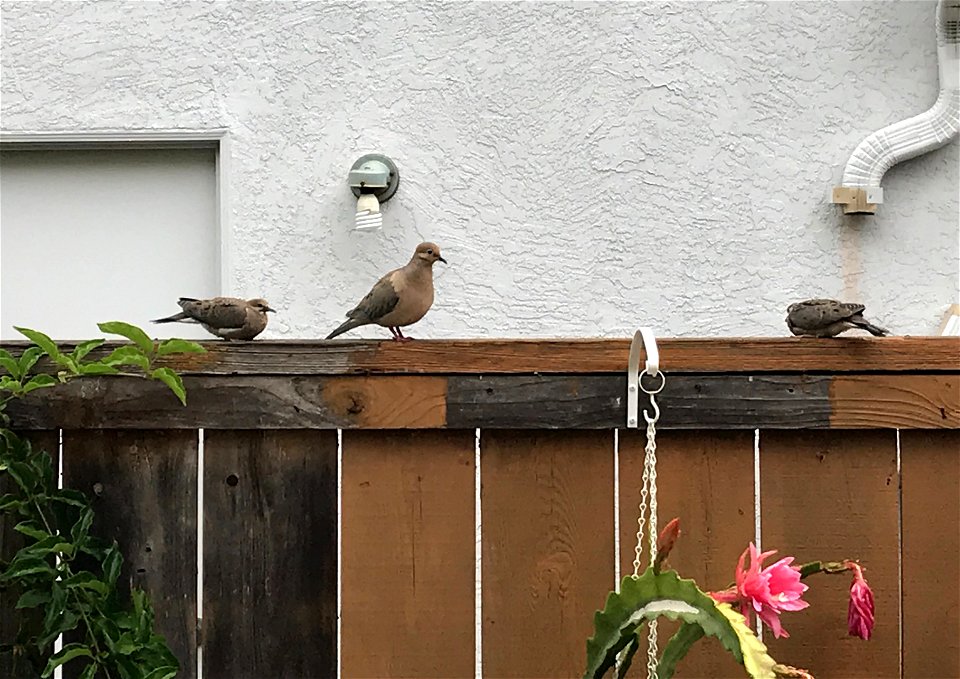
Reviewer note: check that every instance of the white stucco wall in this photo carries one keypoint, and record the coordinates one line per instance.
(586, 167)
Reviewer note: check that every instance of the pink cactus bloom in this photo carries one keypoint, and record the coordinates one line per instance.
(860, 614)
(768, 592)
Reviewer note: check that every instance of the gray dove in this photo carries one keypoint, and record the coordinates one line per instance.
(828, 318)
(228, 317)
(400, 298)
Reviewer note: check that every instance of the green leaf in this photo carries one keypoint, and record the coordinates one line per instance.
(32, 598)
(82, 526)
(165, 672)
(66, 654)
(29, 358)
(755, 658)
(131, 332)
(67, 362)
(31, 529)
(652, 595)
(20, 568)
(41, 340)
(112, 564)
(7, 383)
(97, 369)
(39, 382)
(677, 648)
(90, 671)
(86, 580)
(71, 497)
(128, 355)
(10, 503)
(126, 644)
(10, 364)
(24, 474)
(85, 348)
(627, 658)
(179, 346)
(172, 380)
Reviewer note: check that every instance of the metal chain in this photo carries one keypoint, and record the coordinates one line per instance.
(648, 496)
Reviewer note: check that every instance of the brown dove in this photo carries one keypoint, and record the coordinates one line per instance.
(400, 298)
(228, 317)
(828, 318)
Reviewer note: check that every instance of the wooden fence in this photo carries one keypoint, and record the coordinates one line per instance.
(856, 442)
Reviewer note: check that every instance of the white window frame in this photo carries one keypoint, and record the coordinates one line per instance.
(216, 138)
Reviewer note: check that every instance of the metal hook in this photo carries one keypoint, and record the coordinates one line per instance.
(635, 380)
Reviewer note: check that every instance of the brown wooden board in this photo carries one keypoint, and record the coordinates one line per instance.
(905, 401)
(269, 554)
(485, 356)
(18, 665)
(408, 554)
(832, 496)
(740, 401)
(930, 469)
(547, 548)
(706, 479)
(143, 487)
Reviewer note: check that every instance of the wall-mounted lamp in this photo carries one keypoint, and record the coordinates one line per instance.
(373, 179)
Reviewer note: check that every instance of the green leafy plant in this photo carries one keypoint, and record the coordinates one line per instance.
(768, 592)
(67, 575)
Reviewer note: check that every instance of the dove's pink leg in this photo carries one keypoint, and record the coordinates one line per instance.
(394, 332)
(401, 337)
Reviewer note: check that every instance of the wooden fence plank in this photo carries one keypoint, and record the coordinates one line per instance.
(143, 485)
(740, 401)
(488, 356)
(17, 665)
(706, 479)
(930, 468)
(547, 524)
(408, 554)
(830, 496)
(270, 554)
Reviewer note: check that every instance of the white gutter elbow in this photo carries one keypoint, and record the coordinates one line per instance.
(860, 190)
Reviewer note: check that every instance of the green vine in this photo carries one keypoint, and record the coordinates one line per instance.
(66, 574)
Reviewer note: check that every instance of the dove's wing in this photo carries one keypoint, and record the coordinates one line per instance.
(819, 313)
(379, 302)
(217, 312)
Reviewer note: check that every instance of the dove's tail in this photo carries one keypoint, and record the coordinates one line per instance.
(860, 322)
(173, 319)
(347, 325)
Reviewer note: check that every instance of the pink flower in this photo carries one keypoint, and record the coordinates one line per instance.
(860, 616)
(769, 592)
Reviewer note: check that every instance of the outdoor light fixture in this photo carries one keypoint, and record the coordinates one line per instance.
(373, 179)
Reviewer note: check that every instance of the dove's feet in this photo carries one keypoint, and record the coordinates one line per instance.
(398, 335)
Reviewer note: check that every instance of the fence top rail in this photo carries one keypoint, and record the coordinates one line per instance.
(564, 356)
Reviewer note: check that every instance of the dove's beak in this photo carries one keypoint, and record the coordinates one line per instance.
(441, 259)
(269, 309)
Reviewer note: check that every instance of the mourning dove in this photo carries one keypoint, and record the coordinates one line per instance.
(227, 317)
(827, 318)
(400, 298)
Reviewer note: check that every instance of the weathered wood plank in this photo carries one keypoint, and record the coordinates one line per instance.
(488, 356)
(740, 401)
(18, 665)
(408, 554)
(270, 554)
(930, 469)
(706, 479)
(547, 524)
(905, 401)
(831, 496)
(143, 486)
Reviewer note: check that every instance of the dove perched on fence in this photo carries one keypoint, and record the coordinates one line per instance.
(228, 317)
(828, 318)
(402, 297)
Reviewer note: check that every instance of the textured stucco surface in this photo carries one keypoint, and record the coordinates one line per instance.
(587, 168)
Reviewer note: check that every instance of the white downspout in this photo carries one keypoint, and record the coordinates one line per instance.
(860, 191)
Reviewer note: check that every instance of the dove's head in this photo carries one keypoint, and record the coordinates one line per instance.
(260, 305)
(428, 253)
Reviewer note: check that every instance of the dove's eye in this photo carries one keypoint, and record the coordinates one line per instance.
(429, 252)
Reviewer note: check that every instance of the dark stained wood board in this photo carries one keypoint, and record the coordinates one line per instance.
(17, 666)
(408, 554)
(547, 548)
(487, 356)
(143, 487)
(930, 470)
(270, 554)
(830, 496)
(742, 401)
(706, 479)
